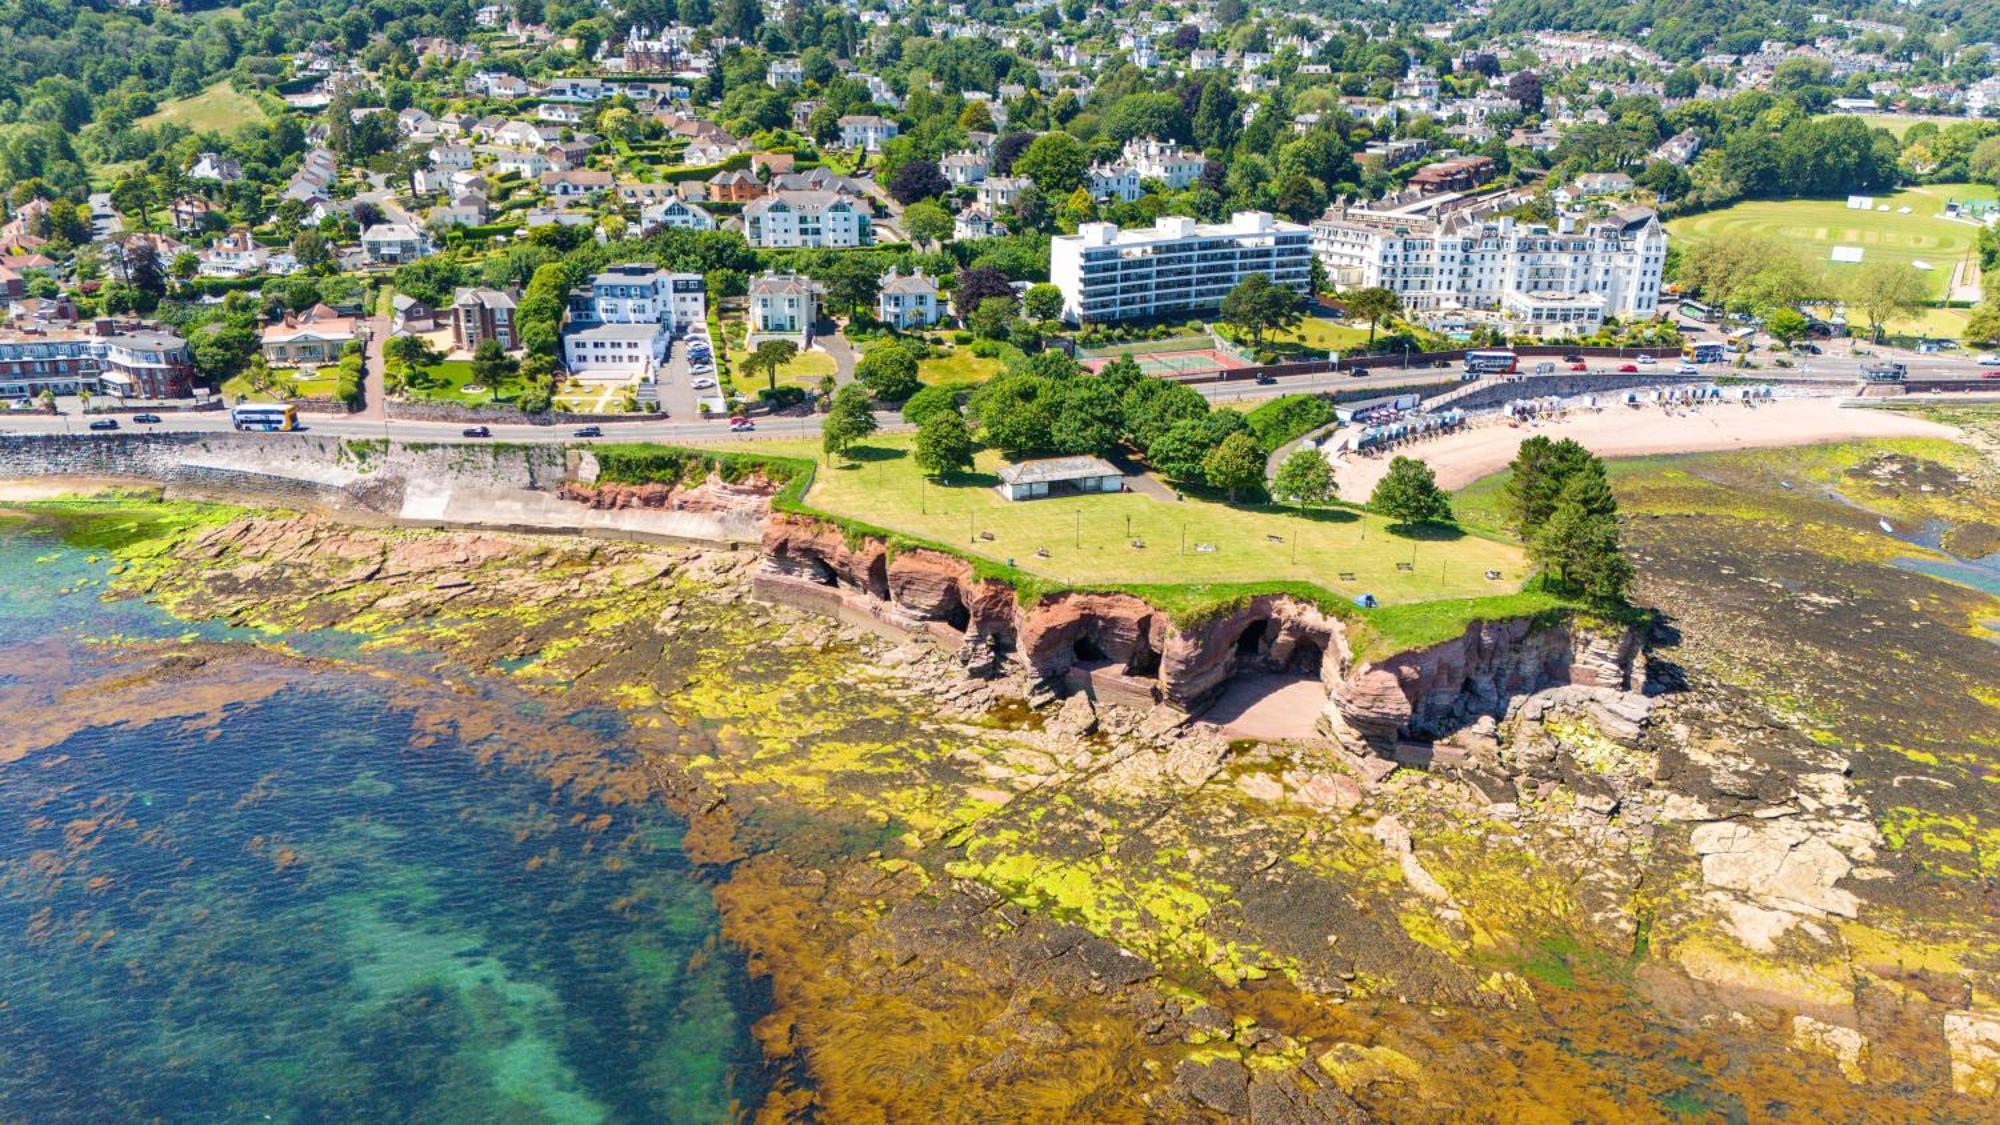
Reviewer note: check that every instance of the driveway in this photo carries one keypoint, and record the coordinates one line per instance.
(836, 345)
(677, 396)
(374, 390)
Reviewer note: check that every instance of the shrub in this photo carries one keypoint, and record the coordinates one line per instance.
(1286, 419)
(778, 398)
(961, 338)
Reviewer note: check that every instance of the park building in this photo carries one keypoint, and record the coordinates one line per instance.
(1175, 267)
(1526, 278)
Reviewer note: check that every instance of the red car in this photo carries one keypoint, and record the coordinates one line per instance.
(1628, 369)
(1579, 367)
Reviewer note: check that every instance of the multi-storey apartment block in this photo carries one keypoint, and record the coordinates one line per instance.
(1175, 267)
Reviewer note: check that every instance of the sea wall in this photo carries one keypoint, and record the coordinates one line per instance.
(499, 486)
(1116, 644)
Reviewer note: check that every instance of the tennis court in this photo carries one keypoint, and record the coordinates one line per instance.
(1173, 363)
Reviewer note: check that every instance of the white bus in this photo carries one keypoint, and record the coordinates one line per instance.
(1491, 363)
(264, 416)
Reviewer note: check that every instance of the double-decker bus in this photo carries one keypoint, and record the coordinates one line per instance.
(1703, 351)
(264, 416)
(1491, 363)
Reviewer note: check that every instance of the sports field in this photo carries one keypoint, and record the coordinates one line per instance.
(1173, 363)
(1923, 235)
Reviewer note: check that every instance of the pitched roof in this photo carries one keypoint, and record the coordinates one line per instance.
(1052, 469)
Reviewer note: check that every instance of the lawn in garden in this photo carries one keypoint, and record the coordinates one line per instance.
(220, 109)
(958, 368)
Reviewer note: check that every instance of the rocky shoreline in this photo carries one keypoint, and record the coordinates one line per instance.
(974, 897)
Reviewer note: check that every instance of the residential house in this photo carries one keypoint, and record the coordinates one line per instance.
(1591, 185)
(414, 122)
(235, 254)
(311, 338)
(674, 214)
(865, 131)
(819, 219)
(451, 158)
(1460, 173)
(1114, 181)
(560, 113)
(393, 243)
(466, 209)
(221, 169)
(410, 317)
(965, 169)
(908, 301)
(581, 184)
(782, 307)
(479, 314)
(975, 222)
(529, 164)
(1679, 149)
(192, 213)
(619, 325)
(784, 72)
(998, 193)
(1177, 167)
(738, 186)
(521, 134)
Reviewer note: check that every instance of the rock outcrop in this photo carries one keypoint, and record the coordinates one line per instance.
(751, 495)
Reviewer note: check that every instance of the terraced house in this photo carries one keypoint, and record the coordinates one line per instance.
(817, 219)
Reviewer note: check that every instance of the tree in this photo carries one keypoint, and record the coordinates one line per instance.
(1086, 418)
(1526, 87)
(1787, 325)
(1235, 464)
(990, 320)
(927, 222)
(918, 408)
(973, 286)
(1055, 162)
(1180, 451)
(144, 272)
(1886, 290)
(491, 364)
(944, 445)
(768, 358)
(1305, 478)
(1016, 412)
(890, 372)
(1409, 494)
(1577, 546)
(1540, 469)
(1746, 275)
(918, 179)
(851, 418)
(1152, 406)
(1373, 305)
(1258, 306)
(185, 266)
(1043, 302)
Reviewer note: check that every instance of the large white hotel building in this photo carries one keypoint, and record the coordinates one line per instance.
(1527, 278)
(1175, 267)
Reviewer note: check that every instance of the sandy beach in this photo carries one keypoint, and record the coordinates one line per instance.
(1621, 431)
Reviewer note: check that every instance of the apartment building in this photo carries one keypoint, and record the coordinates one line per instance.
(124, 362)
(1528, 278)
(820, 219)
(636, 293)
(1175, 267)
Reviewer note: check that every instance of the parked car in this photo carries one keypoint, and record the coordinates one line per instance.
(703, 384)
(1989, 359)
(146, 419)
(105, 424)
(1814, 349)
(740, 425)
(1687, 369)
(1645, 360)
(1579, 365)
(589, 431)
(1628, 369)
(476, 431)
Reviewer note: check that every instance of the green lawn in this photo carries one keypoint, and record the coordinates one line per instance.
(320, 384)
(1319, 332)
(960, 368)
(448, 380)
(219, 108)
(1899, 123)
(1822, 224)
(1085, 539)
(805, 370)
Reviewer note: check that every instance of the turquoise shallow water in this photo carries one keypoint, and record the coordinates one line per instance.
(323, 901)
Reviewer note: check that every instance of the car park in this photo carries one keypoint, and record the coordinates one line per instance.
(589, 431)
(476, 431)
(105, 424)
(146, 419)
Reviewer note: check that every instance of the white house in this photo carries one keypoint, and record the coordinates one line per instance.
(965, 169)
(529, 164)
(784, 72)
(998, 193)
(1155, 160)
(820, 219)
(865, 131)
(782, 307)
(1114, 181)
(392, 243)
(674, 213)
(908, 301)
(975, 222)
(451, 158)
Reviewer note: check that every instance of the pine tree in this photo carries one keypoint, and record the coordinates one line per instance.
(1577, 546)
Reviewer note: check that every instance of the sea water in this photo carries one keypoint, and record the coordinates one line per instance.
(325, 900)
